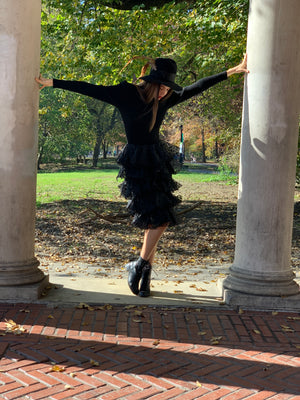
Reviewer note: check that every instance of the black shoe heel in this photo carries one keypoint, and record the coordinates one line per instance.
(145, 281)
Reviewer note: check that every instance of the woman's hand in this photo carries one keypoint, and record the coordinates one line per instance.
(44, 82)
(239, 69)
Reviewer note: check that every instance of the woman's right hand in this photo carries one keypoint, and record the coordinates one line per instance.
(44, 82)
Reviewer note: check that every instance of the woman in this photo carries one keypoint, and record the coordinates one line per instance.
(146, 161)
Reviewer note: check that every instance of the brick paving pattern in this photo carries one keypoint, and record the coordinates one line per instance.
(131, 352)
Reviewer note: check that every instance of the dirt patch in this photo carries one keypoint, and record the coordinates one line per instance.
(68, 233)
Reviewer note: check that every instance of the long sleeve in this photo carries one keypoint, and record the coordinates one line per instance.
(109, 94)
(196, 88)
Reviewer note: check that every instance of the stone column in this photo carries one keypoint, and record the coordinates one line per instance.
(261, 275)
(20, 278)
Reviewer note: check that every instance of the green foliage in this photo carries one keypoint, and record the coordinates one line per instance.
(89, 41)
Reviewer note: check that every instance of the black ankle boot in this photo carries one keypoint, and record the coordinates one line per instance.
(145, 281)
(135, 269)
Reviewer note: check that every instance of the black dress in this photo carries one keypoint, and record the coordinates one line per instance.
(147, 162)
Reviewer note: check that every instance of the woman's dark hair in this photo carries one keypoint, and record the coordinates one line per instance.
(149, 93)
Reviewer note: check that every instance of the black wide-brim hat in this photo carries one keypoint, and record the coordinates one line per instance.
(163, 72)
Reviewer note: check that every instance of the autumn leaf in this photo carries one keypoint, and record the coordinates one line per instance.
(13, 327)
(257, 331)
(94, 363)
(85, 306)
(57, 368)
(138, 312)
(106, 307)
(287, 328)
(156, 342)
(215, 340)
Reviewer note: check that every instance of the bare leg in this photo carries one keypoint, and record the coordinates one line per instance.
(151, 239)
(139, 272)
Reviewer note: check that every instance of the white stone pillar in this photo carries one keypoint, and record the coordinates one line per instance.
(261, 275)
(20, 278)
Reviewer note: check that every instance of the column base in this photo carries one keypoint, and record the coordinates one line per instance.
(24, 293)
(265, 284)
(259, 302)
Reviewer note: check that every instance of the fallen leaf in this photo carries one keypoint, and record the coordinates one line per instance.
(198, 384)
(95, 363)
(156, 342)
(57, 368)
(13, 327)
(257, 331)
(85, 306)
(106, 307)
(138, 312)
(215, 339)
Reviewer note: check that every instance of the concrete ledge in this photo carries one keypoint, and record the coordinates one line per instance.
(71, 291)
(24, 293)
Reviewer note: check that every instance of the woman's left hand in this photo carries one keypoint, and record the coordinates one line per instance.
(239, 69)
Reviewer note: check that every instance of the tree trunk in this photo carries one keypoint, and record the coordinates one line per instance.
(217, 150)
(203, 147)
(39, 159)
(97, 150)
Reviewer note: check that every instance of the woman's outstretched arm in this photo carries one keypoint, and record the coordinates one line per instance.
(114, 95)
(205, 83)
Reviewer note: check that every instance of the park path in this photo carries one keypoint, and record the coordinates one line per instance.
(145, 352)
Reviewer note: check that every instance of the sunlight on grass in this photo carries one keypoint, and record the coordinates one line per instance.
(99, 184)
(77, 185)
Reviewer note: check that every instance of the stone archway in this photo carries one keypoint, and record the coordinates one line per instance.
(261, 274)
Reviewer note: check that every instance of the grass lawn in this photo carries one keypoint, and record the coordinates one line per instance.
(98, 184)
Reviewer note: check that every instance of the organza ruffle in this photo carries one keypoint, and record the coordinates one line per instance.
(148, 184)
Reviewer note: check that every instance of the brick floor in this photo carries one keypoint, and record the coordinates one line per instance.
(132, 353)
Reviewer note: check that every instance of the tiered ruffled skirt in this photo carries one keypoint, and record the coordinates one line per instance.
(148, 184)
